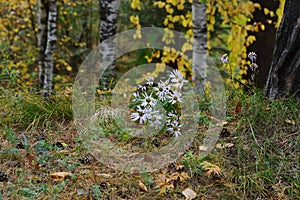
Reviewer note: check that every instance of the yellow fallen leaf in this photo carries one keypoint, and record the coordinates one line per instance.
(211, 169)
(142, 186)
(59, 175)
(189, 194)
(203, 148)
(223, 146)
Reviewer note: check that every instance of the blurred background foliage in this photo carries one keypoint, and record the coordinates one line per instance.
(229, 24)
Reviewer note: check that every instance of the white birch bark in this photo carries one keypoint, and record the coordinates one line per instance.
(109, 11)
(51, 40)
(42, 38)
(199, 45)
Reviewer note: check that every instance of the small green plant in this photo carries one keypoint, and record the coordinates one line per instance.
(10, 135)
(96, 192)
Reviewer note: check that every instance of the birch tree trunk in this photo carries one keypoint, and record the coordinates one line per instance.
(42, 38)
(109, 11)
(200, 45)
(51, 40)
(284, 73)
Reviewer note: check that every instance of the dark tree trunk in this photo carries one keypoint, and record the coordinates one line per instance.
(265, 39)
(284, 74)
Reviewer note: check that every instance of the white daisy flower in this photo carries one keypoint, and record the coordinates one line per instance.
(224, 58)
(162, 90)
(148, 112)
(142, 87)
(175, 128)
(138, 116)
(175, 97)
(136, 96)
(148, 100)
(177, 79)
(172, 116)
(150, 80)
(155, 120)
(252, 56)
(141, 115)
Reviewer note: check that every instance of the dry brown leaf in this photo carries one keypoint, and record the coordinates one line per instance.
(223, 146)
(238, 108)
(211, 169)
(59, 176)
(163, 183)
(135, 170)
(142, 186)
(203, 148)
(189, 194)
(148, 158)
(217, 121)
(174, 176)
(214, 120)
(30, 160)
(183, 176)
(179, 167)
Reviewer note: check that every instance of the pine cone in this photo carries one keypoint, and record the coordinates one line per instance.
(3, 177)
(86, 160)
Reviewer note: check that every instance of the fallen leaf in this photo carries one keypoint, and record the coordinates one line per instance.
(148, 158)
(164, 184)
(211, 169)
(238, 108)
(105, 175)
(267, 108)
(135, 170)
(176, 176)
(142, 186)
(223, 146)
(179, 167)
(183, 176)
(59, 176)
(203, 148)
(189, 194)
(31, 160)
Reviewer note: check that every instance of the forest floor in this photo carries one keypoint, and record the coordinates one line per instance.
(43, 156)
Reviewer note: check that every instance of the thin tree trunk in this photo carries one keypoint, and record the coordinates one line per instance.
(284, 74)
(109, 11)
(51, 40)
(200, 45)
(42, 38)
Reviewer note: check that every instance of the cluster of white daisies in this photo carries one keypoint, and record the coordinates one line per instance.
(167, 93)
